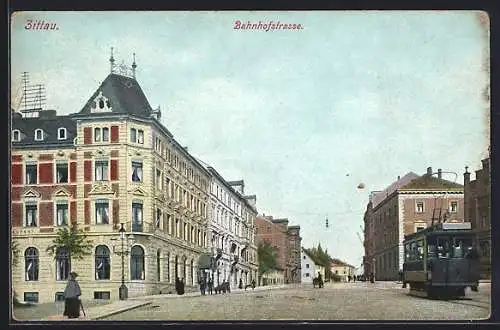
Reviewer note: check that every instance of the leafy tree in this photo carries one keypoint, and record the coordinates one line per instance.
(267, 255)
(74, 240)
(322, 258)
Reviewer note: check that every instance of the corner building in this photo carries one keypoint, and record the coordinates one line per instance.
(111, 163)
(410, 204)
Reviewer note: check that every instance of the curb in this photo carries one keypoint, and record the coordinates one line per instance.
(121, 310)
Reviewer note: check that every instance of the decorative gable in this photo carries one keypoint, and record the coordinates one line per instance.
(101, 189)
(30, 193)
(101, 104)
(138, 192)
(62, 193)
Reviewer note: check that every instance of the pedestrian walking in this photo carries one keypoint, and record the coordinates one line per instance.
(182, 286)
(72, 295)
(202, 286)
(253, 284)
(210, 285)
(240, 286)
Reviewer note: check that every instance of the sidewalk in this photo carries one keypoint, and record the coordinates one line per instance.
(120, 306)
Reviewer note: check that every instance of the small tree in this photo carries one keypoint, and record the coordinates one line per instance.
(267, 258)
(74, 240)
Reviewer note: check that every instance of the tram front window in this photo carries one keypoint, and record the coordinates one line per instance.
(461, 245)
(444, 247)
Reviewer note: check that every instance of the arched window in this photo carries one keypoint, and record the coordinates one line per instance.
(62, 264)
(102, 263)
(38, 134)
(16, 135)
(158, 265)
(176, 267)
(31, 264)
(137, 271)
(61, 133)
(192, 272)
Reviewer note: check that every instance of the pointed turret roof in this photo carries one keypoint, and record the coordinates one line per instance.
(124, 94)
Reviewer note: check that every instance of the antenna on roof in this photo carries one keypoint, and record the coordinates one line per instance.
(134, 65)
(33, 97)
(112, 62)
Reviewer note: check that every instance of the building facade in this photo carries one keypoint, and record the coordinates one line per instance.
(310, 267)
(341, 269)
(232, 232)
(286, 240)
(409, 204)
(477, 211)
(112, 163)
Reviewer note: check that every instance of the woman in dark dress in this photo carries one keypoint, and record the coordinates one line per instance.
(72, 295)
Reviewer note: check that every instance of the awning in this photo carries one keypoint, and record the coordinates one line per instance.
(204, 261)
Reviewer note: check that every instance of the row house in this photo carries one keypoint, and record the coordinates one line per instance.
(409, 204)
(232, 231)
(477, 211)
(286, 240)
(111, 164)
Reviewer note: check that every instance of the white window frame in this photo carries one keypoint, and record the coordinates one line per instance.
(97, 129)
(133, 132)
(56, 215)
(37, 213)
(14, 135)
(55, 172)
(63, 130)
(416, 207)
(103, 202)
(105, 175)
(141, 167)
(39, 130)
(140, 136)
(451, 208)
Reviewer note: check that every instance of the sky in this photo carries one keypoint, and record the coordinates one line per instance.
(302, 116)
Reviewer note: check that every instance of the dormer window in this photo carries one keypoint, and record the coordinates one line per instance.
(38, 134)
(16, 135)
(101, 104)
(61, 133)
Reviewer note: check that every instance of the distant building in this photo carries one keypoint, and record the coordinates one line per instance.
(310, 267)
(409, 204)
(477, 201)
(286, 239)
(342, 269)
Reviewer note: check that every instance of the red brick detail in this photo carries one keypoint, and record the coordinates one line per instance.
(46, 171)
(17, 174)
(72, 172)
(115, 153)
(86, 189)
(16, 193)
(116, 211)
(87, 212)
(87, 135)
(72, 212)
(87, 170)
(72, 156)
(114, 133)
(16, 214)
(116, 189)
(17, 158)
(114, 169)
(46, 230)
(45, 157)
(46, 214)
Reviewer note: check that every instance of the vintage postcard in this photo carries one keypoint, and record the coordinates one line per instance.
(260, 165)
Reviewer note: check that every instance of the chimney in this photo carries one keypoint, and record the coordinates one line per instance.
(439, 173)
(399, 177)
(466, 176)
(429, 170)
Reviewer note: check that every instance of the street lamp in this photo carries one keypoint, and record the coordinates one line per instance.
(374, 268)
(123, 290)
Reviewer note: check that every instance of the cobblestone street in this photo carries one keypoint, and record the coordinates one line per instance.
(346, 301)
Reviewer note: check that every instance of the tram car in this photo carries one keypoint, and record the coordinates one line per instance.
(441, 261)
